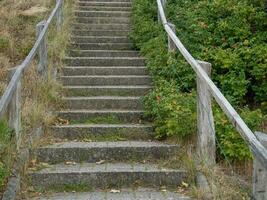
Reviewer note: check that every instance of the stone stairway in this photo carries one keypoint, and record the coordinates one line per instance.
(106, 149)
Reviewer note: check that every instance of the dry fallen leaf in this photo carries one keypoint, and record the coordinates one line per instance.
(70, 163)
(115, 191)
(185, 184)
(100, 162)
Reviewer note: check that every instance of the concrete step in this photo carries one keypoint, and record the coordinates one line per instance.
(84, 131)
(99, 39)
(128, 1)
(79, 71)
(105, 80)
(115, 33)
(103, 53)
(124, 194)
(106, 175)
(109, 151)
(102, 46)
(107, 90)
(104, 61)
(124, 116)
(103, 8)
(92, 27)
(103, 102)
(102, 13)
(104, 3)
(103, 20)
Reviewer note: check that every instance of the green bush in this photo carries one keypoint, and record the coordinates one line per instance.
(230, 35)
(230, 144)
(173, 112)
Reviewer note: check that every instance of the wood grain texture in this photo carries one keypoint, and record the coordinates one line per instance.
(205, 122)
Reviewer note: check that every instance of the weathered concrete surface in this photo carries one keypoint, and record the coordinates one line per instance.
(108, 151)
(106, 80)
(107, 175)
(101, 33)
(104, 102)
(126, 116)
(107, 90)
(116, 71)
(103, 53)
(104, 61)
(123, 194)
(82, 131)
(103, 20)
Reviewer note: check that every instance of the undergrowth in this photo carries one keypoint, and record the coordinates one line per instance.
(40, 97)
(172, 102)
(228, 34)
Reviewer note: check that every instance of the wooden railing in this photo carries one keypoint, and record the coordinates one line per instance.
(10, 102)
(206, 89)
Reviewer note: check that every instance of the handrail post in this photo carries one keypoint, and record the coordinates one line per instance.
(205, 123)
(14, 111)
(59, 15)
(171, 45)
(259, 173)
(42, 51)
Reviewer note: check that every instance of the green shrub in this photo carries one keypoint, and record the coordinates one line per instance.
(229, 34)
(230, 144)
(173, 112)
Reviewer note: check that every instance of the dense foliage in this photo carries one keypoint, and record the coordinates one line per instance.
(228, 33)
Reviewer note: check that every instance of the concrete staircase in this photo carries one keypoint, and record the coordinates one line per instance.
(106, 149)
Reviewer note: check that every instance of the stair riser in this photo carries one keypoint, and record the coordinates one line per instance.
(129, 104)
(76, 133)
(102, 14)
(106, 91)
(79, 71)
(103, 46)
(100, 33)
(93, 155)
(81, 53)
(105, 27)
(109, 179)
(102, 8)
(103, 20)
(105, 4)
(94, 81)
(104, 62)
(101, 39)
(127, 117)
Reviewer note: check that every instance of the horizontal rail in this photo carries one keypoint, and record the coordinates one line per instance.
(8, 93)
(256, 147)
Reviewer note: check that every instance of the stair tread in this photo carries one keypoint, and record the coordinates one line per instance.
(102, 97)
(88, 168)
(124, 194)
(104, 125)
(110, 86)
(120, 144)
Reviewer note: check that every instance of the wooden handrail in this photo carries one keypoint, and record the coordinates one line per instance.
(9, 92)
(256, 147)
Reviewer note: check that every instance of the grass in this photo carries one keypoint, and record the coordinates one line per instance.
(39, 96)
(6, 149)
